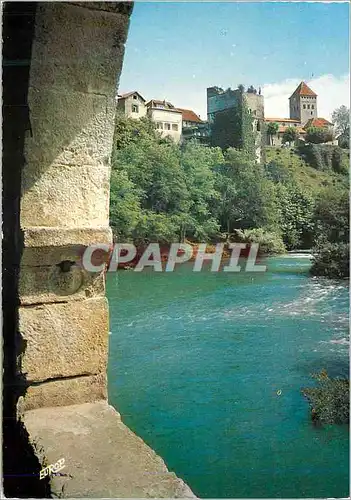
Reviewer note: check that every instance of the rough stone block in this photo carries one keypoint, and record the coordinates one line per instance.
(62, 237)
(63, 340)
(64, 392)
(52, 246)
(58, 283)
(103, 458)
(116, 7)
(67, 128)
(85, 54)
(68, 196)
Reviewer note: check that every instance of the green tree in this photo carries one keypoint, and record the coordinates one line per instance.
(290, 135)
(248, 197)
(199, 164)
(125, 210)
(318, 135)
(129, 131)
(296, 215)
(272, 130)
(341, 119)
(331, 222)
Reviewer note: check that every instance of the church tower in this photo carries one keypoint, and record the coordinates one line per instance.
(303, 104)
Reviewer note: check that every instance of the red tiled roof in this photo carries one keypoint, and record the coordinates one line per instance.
(318, 122)
(303, 89)
(278, 120)
(189, 115)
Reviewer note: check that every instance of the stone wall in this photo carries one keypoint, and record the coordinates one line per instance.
(62, 62)
(77, 55)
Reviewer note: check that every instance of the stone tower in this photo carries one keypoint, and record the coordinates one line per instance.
(303, 104)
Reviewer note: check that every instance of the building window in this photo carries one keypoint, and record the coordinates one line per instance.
(174, 126)
(135, 97)
(311, 112)
(135, 108)
(167, 126)
(159, 125)
(258, 126)
(308, 106)
(312, 106)
(304, 106)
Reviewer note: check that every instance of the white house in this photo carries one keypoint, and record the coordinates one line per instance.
(167, 118)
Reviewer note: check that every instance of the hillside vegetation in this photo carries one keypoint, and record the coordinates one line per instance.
(302, 163)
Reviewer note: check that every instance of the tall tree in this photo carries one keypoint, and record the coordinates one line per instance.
(272, 130)
(341, 119)
(290, 135)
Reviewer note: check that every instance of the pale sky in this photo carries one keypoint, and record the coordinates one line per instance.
(176, 50)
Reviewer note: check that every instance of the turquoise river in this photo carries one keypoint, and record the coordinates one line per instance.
(207, 368)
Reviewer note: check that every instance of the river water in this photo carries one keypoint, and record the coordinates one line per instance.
(208, 367)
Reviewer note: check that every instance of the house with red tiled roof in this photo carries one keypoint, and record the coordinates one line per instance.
(319, 123)
(190, 118)
(303, 114)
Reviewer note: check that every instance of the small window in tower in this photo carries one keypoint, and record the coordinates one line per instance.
(312, 113)
(304, 106)
(312, 106)
(308, 106)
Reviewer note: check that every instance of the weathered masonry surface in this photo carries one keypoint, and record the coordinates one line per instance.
(61, 65)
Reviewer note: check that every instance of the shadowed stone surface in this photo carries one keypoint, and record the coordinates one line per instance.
(64, 392)
(64, 340)
(45, 246)
(46, 284)
(103, 458)
(91, 63)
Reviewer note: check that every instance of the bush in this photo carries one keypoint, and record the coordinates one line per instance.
(331, 260)
(330, 400)
(324, 157)
(269, 242)
(318, 135)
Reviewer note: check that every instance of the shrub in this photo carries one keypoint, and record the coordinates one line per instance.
(269, 242)
(290, 135)
(331, 260)
(318, 135)
(324, 157)
(330, 400)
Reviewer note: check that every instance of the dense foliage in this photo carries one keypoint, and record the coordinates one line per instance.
(232, 128)
(318, 135)
(272, 130)
(329, 400)
(164, 192)
(341, 119)
(290, 135)
(325, 157)
(331, 226)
